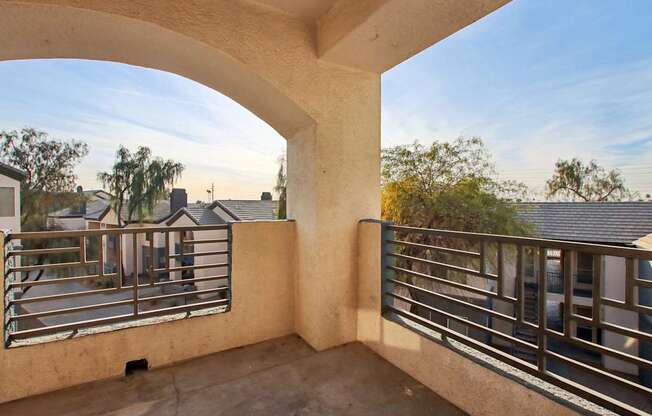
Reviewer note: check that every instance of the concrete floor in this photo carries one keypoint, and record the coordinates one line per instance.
(278, 377)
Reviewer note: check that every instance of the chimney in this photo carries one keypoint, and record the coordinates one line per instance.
(266, 196)
(82, 200)
(178, 199)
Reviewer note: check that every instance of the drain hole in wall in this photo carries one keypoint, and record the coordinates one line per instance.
(136, 366)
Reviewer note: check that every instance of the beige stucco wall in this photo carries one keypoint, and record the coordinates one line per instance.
(262, 309)
(266, 60)
(470, 386)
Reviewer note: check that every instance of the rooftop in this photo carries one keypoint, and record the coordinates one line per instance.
(283, 376)
(591, 222)
(12, 172)
(249, 210)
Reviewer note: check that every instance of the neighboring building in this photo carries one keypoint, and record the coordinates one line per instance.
(627, 224)
(10, 179)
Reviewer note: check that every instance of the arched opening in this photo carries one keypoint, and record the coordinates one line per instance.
(33, 31)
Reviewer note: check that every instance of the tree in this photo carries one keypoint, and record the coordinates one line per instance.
(448, 185)
(576, 181)
(281, 188)
(49, 165)
(137, 181)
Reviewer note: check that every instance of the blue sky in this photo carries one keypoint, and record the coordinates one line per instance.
(537, 80)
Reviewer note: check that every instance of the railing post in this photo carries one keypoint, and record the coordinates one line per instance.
(229, 267)
(134, 237)
(543, 339)
(385, 262)
(567, 275)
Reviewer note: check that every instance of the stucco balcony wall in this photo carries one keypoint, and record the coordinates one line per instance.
(468, 385)
(262, 308)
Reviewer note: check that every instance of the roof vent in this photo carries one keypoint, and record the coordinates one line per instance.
(266, 196)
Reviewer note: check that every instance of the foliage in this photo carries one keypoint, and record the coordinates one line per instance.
(281, 188)
(448, 185)
(49, 165)
(573, 180)
(137, 181)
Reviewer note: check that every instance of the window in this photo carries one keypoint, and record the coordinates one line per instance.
(7, 202)
(585, 268)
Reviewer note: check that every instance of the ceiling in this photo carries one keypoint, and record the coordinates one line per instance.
(308, 10)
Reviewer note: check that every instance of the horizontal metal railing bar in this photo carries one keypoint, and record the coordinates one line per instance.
(613, 328)
(435, 248)
(175, 295)
(199, 253)
(441, 280)
(445, 265)
(53, 329)
(622, 305)
(187, 281)
(460, 302)
(50, 266)
(184, 308)
(60, 296)
(522, 365)
(602, 349)
(643, 283)
(110, 231)
(463, 321)
(43, 251)
(192, 267)
(534, 242)
(592, 369)
(207, 241)
(43, 282)
(601, 399)
(75, 309)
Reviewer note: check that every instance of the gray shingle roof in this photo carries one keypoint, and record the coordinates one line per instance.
(594, 222)
(203, 215)
(97, 203)
(249, 210)
(12, 172)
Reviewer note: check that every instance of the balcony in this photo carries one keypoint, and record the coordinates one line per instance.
(451, 314)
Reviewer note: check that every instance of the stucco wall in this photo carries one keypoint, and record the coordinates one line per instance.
(470, 386)
(262, 308)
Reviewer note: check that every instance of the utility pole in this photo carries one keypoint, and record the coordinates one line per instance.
(211, 192)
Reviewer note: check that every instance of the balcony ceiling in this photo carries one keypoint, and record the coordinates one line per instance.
(309, 10)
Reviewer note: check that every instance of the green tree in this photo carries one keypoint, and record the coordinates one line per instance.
(137, 181)
(281, 188)
(448, 185)
(50, 167)
(575, 181)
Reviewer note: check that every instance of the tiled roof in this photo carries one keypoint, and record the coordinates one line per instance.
(249, 210)
(97, 203)
(594, 222)
(203, 215)
(12, 172)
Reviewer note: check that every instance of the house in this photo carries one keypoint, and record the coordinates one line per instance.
(95, 211)
(10, 179)
(626, 224)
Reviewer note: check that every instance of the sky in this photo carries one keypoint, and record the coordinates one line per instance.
(537, 80)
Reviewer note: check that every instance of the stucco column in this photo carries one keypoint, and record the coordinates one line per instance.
(333, 182)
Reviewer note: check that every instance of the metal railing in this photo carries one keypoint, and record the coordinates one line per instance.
(473, 289)
(62, 281)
